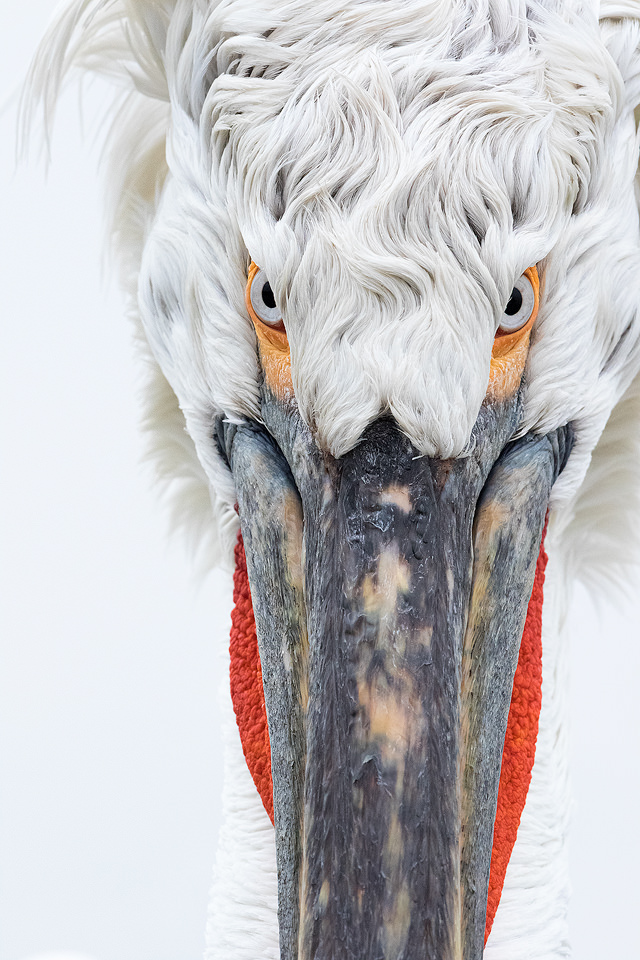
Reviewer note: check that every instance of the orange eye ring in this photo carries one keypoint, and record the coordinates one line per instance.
(273, 347)
(261, 302)
(505, 339)
(511, 348)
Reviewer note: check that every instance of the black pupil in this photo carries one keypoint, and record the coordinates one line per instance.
(268, 298)
(514, 303)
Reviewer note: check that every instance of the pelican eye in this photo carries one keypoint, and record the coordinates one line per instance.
(520, 307)
(262, 301)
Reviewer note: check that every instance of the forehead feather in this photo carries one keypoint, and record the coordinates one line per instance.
(342, 100)
(393, 168)
(447, 126)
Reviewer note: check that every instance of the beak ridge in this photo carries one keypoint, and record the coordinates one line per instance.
(390, 593)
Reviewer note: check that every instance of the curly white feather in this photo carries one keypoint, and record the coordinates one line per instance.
(393, 168)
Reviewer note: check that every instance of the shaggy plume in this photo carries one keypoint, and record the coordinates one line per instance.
(393, 169)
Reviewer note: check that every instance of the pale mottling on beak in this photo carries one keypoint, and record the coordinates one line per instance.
(397, 496)
(393, 578)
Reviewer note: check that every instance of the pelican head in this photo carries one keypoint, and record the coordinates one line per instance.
(389, 270)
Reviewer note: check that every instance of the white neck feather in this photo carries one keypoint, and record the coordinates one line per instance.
(242, 923)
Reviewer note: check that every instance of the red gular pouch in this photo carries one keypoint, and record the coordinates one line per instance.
(247, 692)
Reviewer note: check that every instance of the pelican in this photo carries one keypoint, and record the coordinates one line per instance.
(383, 257)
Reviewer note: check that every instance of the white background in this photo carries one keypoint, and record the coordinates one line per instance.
(109, 754)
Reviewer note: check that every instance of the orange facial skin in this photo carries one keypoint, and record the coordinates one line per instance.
(508, 356)
(273, 346)
(510, 351)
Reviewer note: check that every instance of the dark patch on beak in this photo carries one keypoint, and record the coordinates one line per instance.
(390, 592)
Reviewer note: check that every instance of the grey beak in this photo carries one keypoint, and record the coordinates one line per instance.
(390, 593)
